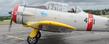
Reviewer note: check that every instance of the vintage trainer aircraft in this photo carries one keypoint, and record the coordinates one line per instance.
(54, 14)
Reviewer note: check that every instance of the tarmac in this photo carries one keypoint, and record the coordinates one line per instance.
(18, 35)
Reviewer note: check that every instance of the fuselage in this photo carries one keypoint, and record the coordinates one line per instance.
(56, 19)
(80, 20)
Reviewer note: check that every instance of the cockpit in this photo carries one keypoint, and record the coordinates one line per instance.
(63, 7)
(74, 10)
(57, 6)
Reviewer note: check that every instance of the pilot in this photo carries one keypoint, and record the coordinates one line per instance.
(72, 11)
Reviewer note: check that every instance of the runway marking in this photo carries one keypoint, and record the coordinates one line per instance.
(15, 37)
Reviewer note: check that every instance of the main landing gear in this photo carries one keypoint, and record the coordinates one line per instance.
(34, 36)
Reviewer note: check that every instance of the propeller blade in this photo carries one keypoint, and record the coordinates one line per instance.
(10, 12)
(10, 25)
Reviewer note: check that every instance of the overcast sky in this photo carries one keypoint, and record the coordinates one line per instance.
(6, 5)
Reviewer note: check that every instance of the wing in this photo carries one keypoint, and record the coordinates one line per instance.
(49, 24)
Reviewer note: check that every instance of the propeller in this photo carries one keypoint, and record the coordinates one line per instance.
(13, 14)
(10, 25)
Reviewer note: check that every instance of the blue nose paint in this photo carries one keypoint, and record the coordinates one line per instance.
(44, 13)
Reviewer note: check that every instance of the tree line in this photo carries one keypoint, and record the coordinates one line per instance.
(4, 18)
(99, 12)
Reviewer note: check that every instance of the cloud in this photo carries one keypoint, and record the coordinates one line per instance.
(6, 6)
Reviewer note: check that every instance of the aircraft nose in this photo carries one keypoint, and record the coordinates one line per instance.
(14, 13)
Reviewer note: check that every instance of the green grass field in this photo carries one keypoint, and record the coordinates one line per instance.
(105, 16)
(4, 22)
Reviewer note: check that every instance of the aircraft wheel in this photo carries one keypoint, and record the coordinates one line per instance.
(33, 40)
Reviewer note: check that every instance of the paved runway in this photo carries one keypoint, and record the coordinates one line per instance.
(19, 33)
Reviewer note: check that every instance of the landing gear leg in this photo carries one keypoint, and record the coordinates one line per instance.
(34, 36)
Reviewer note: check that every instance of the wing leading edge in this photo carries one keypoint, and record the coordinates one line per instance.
(52, 23)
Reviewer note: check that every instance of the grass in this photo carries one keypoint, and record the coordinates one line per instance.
(4, 22)
(105, 16)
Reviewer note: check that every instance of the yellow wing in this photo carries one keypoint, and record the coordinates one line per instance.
(53, 23)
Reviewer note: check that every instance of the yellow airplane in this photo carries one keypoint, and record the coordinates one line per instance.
(56, 14)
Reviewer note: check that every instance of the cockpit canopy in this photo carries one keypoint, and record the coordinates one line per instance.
(57, 6)
(63, 7)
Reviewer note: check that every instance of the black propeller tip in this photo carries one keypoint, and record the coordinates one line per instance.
(10, 12)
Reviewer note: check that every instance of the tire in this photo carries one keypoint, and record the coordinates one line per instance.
(33, 40)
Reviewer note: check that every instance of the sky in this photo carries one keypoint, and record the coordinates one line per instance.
(7, 5)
